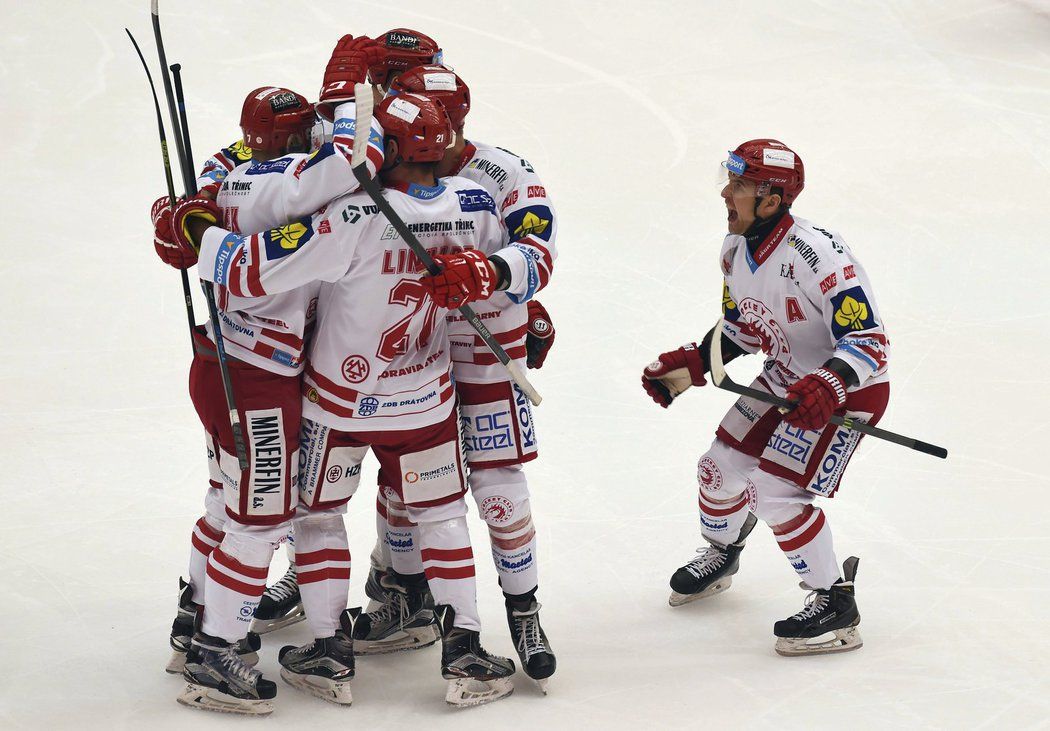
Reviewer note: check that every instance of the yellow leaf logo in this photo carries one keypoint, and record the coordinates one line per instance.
(288, 236)
(241, 151)
(532, 224)
(727, 301)
(852, 314)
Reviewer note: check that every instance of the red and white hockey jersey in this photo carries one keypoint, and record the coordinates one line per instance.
(379, 359)
(531, 224)
(802, 299)
(269, 332)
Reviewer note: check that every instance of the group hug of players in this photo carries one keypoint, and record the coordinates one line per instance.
(339, 343)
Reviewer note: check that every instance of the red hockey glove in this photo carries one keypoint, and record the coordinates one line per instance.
(540, 336)
(817, 396)
(348, 66)
(186, 212)
(672, 373)
(164, 237)
(464, 278)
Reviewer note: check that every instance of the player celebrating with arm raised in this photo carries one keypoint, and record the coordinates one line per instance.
(797, 293)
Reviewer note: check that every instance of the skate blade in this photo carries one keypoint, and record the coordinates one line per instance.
(840, 640)
(210, 699)
(543, 684)
(333, 691)
(468, 692)
(410, 639)
(263, 626)
(677, 600)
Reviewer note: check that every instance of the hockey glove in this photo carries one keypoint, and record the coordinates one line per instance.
(187, 212)
(164, 237)
(672, 373)
(540, 335)
(464, 277)
(348, 66)
(816, 398)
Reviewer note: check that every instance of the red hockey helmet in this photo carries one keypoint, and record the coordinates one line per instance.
(771, 164)
(406, 49)
(272, 115)
(419, 124)
(437, 82)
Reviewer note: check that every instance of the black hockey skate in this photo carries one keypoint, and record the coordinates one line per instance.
(280, 606)
(182, 634)
(530, 640)
(711, 571)
(401, 618)
(325, 667)
(827, 624)
(475, 677)
(219, 680)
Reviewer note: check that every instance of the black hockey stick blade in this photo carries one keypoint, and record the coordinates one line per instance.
(721, 379)
(362, 129)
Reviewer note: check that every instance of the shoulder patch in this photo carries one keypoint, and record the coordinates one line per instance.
(530, 221)
(239, 151)
(852, 312)
(282, 241)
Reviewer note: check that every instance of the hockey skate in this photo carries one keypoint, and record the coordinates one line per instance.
(530, 641)
(400, 616)
(219, 680)
(182, 634)
(280, 606)
(711, 571)
(828, 623)
(475, 677)
(325, 667)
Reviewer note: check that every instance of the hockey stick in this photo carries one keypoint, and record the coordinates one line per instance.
(182, 136)
(187, 298)
(721, 379)
(362, 130)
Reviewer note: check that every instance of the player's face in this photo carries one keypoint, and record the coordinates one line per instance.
(739, 196)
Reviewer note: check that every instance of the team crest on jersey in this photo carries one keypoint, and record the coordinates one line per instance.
(531, 221)
(281, 242)
(759, 319)
(852, 312)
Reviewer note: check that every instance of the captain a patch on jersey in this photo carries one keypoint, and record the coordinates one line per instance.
(852, 312)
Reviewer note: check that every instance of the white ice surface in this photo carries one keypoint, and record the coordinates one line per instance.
(924, 129)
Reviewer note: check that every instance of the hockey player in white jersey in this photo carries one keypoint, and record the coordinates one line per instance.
(265, 339)
(497, 420)
(797, 293)
(379, 372)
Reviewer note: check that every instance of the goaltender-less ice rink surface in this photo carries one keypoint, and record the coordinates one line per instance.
(924, 129)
